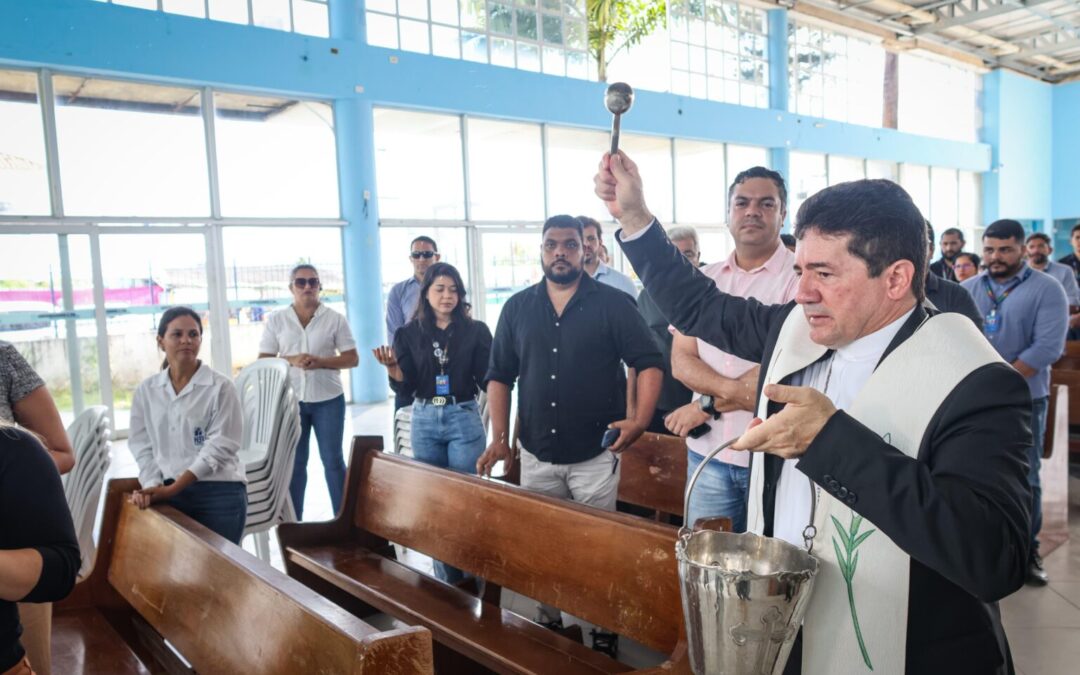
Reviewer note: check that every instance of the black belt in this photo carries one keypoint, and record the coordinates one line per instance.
(443, 400)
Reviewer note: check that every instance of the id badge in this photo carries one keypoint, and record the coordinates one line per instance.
(992, 323)
(442, 385)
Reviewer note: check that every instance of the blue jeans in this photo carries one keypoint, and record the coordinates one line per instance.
(1038, 433)
(721, 490)
(451, 437)
(221, 506)
(328, 419)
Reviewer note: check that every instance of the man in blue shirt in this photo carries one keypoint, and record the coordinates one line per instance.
(1025, 316)
(594, 266)
(401, 303)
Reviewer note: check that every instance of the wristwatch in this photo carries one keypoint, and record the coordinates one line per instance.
(705, 402)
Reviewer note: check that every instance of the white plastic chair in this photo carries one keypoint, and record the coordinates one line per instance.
(261, 386)
(403, 431)
(89, 434)
(271, 431)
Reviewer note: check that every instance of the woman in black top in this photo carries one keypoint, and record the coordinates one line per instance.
(440, 358)
(39, 553)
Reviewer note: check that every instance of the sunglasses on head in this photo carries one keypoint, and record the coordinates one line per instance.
(416, 255)
(303, 282)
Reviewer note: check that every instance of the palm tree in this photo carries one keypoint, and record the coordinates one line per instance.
(617, 24)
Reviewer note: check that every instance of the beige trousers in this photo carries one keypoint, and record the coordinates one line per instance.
(36, 620)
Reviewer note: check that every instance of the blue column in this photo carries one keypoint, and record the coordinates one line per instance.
(778, 88)
(355, 130)
(778, 59)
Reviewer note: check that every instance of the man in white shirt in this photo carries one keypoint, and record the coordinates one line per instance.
(597, 268)
(317, 343)
(891, 437)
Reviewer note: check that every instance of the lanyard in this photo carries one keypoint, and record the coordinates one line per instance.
(442, 353)
(996, 300)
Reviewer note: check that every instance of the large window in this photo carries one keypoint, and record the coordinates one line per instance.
(134, 230)
(653, 157)
(954, 91)
(808, 175)
(494, 192)
(700, 190)
(548, 36)
(24, 181)
(572, 156)
(276, 157)
(48, 315)
(834, 75)
(129, 149)
(719, 51)
(310, 17)
(400, 138)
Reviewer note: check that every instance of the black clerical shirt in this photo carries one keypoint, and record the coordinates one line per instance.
(572, 382)
(469, 347)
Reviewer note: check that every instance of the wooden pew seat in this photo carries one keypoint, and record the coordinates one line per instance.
(168, 595)
(610, 569)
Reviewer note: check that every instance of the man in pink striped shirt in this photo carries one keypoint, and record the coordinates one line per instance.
(725, 386)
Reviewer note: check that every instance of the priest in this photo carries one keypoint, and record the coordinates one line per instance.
(890, 439)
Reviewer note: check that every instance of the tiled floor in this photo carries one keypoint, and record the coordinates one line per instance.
(1042, 624)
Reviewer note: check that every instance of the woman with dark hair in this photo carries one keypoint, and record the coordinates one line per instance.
(39, 553)
(440, 358)
(186, 429)
(966, 265)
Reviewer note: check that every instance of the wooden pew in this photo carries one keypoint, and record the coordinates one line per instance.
(1054, 472)
(610, 569)
(653, 474)
(160, 576)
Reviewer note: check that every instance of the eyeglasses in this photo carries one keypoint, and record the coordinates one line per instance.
(426, 255)
(304, 282)
(963, 266)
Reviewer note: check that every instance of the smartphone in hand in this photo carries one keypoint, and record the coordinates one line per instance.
(610, 436)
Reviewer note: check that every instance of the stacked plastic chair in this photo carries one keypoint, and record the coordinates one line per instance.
(89, 434)
(403, 431)
(271, 431)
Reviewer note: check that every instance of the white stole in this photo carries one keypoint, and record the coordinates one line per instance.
(897, 403)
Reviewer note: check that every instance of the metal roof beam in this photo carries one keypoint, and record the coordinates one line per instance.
(991, 10)
(1050, 48)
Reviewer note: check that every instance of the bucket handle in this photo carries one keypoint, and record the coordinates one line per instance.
(693, 479)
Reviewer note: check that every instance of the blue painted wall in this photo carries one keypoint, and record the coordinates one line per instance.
(1016, 123)
(1066, 158)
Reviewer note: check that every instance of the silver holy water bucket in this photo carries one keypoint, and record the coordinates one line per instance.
(743, 595)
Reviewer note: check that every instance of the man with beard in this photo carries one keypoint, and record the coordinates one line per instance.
(597, 268)
(952, 242)
(1038, 250)
(1025, 316)
(566, 339)
(945, 295)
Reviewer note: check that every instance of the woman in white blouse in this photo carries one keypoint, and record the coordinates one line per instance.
(186, 429)
(317, 343)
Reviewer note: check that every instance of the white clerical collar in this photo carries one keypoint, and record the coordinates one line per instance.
(872, 346)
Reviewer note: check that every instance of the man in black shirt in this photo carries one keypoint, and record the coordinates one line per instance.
(952, 242)
(565, 339)
(945, 295)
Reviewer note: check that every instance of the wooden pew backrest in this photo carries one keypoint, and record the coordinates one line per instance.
(653, 473)
(610, 569)
(227, 611)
